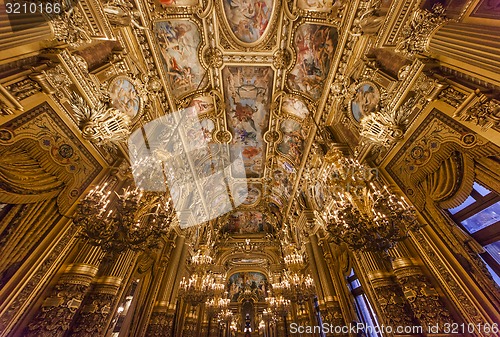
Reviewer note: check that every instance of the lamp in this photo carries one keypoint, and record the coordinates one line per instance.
(132, 220)
(202, 284)
(299, 288)
(294, 284)
(364, 214)
(278, 305)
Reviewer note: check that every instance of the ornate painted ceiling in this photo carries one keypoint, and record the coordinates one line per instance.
(268, 85)
(255, 71)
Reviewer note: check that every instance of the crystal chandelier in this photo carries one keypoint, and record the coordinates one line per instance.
(216, 305)
(294, 259)
(225, 316)
(364, 215)
(297, 287)
(132, 220)
(293, 283)
(201, 258)
(202, 284)
(278, 305)
(197, 288)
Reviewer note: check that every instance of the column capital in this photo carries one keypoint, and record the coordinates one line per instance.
(417, 34)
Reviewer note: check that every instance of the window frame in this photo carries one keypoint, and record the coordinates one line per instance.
(487, 235)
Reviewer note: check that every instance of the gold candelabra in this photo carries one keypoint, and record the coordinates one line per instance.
(132, 220)
(364, 214)
(298, 287)
(202, 284)
(278, 305)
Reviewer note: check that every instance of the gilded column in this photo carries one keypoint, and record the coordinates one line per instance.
(161, 320)
(314, 270)
(59, 308)
(418, 290)
(98, 304)
(387, 294)
(332, 313)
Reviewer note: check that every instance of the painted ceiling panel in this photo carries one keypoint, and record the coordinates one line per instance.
(248, 194)
(248, 19)
(246, 222)
(179, 41)
(315, 46)
(292, 145)
(248, 100)
(295, 106)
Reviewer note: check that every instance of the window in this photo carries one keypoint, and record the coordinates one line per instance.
(122, 312)
(364, 310)
(479, 216)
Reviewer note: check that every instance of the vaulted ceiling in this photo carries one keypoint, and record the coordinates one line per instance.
(257, 74)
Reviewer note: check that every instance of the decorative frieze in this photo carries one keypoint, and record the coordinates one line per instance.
(416, 35)
(485, 114)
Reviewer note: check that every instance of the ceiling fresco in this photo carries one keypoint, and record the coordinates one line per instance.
(295, 106)
(246, 222)
(179, 41)
(315, 46)
(248, 19)
(248, 102)
(254, 72)
(292, 145)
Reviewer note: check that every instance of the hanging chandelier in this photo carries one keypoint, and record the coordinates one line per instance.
(197, 288)
(216, 305)
(298, 287)
(201, 259)
(132, 220)
(278, 305)
(202, 284)
(294, 284)
(225, 316)
(294, 260)
(363, 214)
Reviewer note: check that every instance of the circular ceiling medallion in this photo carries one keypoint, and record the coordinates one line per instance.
(365, 101)
(248, 20)
(124, 96)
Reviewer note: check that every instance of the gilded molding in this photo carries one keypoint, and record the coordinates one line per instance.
(417, 34)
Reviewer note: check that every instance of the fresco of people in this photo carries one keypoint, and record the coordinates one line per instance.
(365, 101)
(254, 282)
(315, 45)
(248, 19)
(248, 98)
(179, 41)
(124, 97)
(295, 106)
(293, 140)
(246, 222)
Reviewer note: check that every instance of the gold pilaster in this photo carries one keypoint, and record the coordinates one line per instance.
(99, 303)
